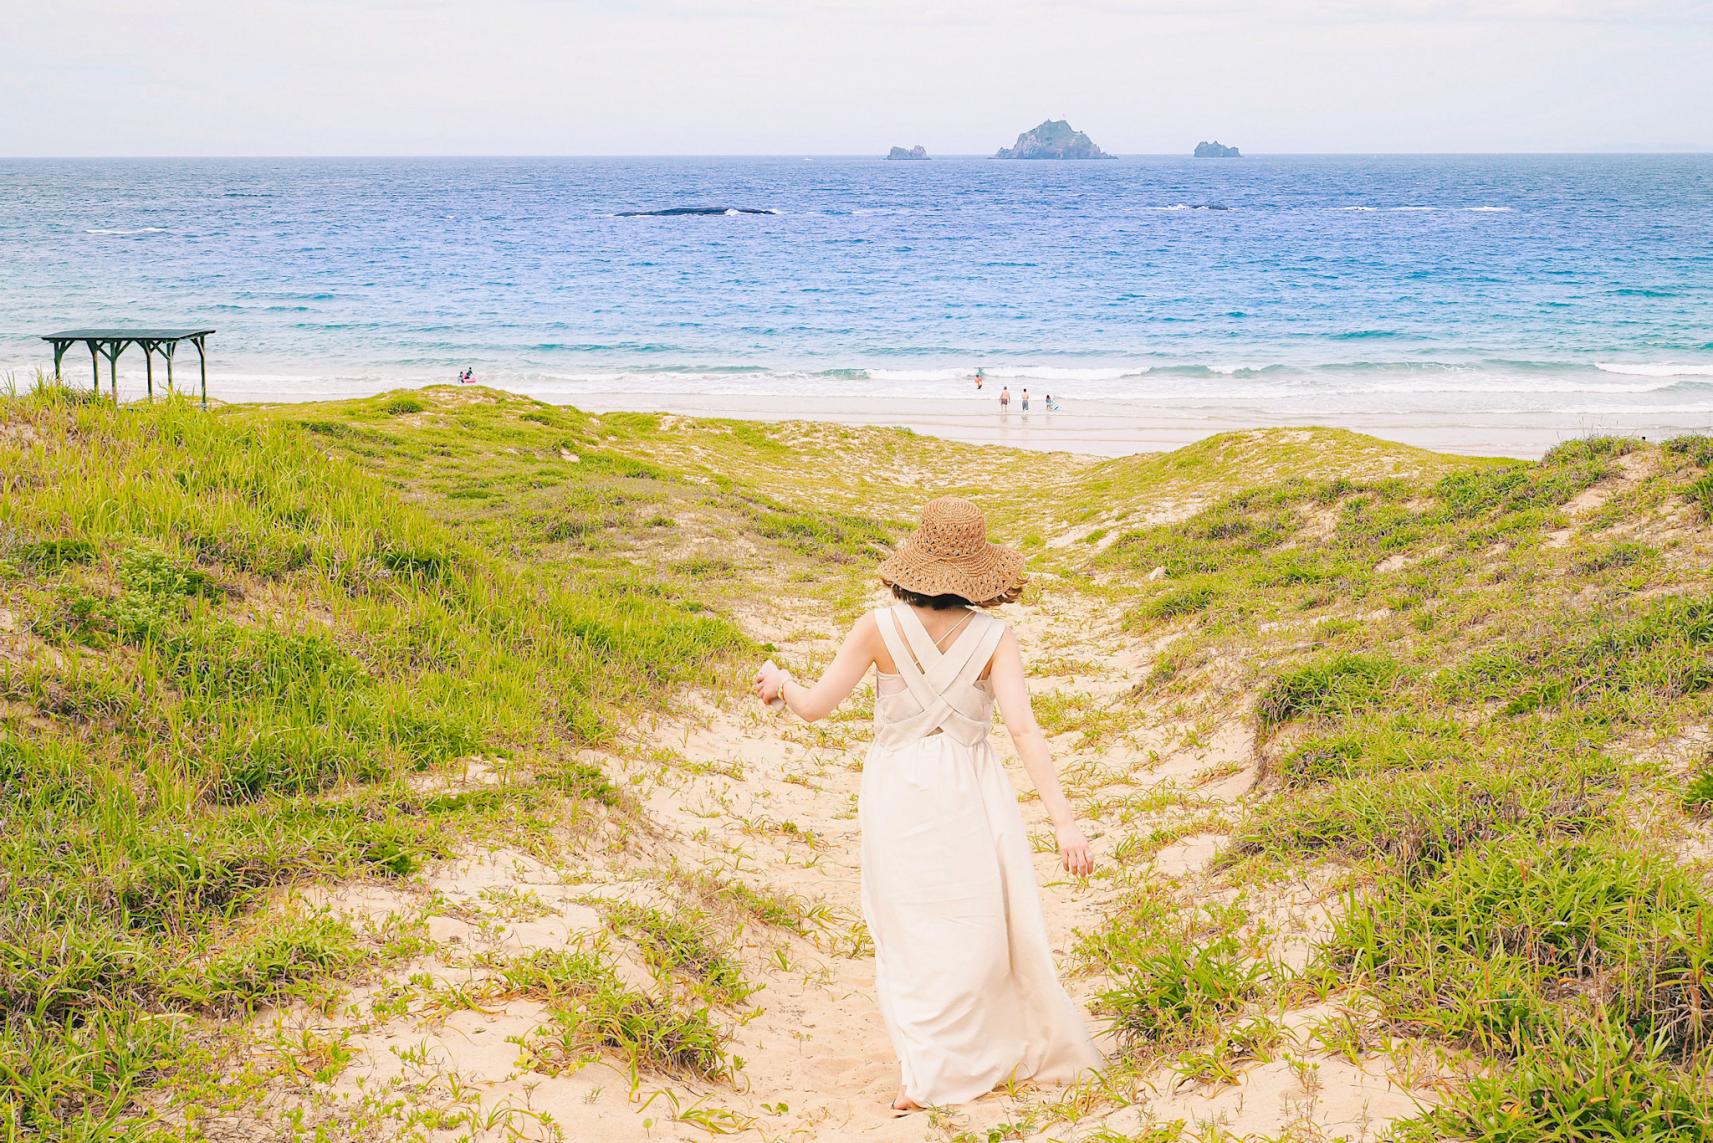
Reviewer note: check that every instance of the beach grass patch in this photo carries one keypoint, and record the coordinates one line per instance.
(50, 555)
(1698, 791)
(678, 943)
(1337, 685)
(1509, 940)
(1589, 1083)
(593, 1011)
(402, 405)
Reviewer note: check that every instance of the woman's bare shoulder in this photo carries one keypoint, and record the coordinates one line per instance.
(866, 630)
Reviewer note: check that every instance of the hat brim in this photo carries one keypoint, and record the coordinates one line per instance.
(987, 574)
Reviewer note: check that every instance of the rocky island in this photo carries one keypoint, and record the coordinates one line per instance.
(1054, 139)
(916, 152)
(1216, 150)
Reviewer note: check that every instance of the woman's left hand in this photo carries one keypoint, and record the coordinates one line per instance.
(1073, 851)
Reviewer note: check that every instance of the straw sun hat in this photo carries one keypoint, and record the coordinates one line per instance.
(949, 555)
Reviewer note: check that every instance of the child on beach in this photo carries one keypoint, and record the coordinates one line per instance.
(1052, 405)
(1004, 400)
(963, 968)
(1025, 400)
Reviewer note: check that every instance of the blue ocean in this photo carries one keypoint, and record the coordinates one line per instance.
(1327, 282)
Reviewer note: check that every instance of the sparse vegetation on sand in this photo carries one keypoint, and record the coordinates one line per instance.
(332, 735)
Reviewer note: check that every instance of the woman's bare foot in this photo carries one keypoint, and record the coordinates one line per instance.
(904, 1104)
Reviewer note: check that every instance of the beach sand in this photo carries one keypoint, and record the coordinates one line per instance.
(1118, 428)
(1523, 425)
(726, 786)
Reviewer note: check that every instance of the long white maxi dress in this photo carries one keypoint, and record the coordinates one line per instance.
(962, 964)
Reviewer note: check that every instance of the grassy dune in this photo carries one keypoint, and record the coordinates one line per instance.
(1483, 701)
(235, 658)
(263, 649)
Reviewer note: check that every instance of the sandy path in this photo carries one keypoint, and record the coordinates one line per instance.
(730, 792)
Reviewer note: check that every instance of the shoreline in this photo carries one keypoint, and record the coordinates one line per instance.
(1119, 428)
(1475, 424)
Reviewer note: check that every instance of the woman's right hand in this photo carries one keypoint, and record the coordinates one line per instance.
(1074, 852)
(769, 682)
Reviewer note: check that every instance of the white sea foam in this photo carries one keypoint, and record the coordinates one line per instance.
(124, 232)
(926, 375)
(1423, 209)
(1656, 368)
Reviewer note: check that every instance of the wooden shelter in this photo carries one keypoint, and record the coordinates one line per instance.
(110, 343)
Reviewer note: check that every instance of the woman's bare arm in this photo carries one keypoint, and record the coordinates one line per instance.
(836, 682)
(1011, 688)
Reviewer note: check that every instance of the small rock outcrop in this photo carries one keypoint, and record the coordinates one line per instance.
(1216, 150)
(1054, 139)
(916, 152)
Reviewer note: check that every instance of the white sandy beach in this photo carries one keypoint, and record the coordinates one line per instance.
(1117, 428)
(1516, 424)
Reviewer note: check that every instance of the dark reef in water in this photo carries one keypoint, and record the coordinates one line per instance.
(1054, 139)
(675, 211)
(1216, 150)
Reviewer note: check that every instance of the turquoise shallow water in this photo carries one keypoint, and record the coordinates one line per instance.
(1565, 282)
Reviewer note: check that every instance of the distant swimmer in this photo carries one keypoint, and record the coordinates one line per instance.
(1004, 400)
(1025, 400)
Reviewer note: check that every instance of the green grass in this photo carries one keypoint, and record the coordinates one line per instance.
(241, 644)
(592, 1011)
(1450, 675)
(1698, 791)
(1330, 687)
(1510, 942)
(254, 648)
(680, 944)
(1590, 1084)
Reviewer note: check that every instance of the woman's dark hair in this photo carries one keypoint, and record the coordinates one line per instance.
(949, 601)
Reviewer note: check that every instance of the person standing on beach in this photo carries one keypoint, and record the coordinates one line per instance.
(980, 380)
(1004, 400)
(1025, 400)
(962, 964)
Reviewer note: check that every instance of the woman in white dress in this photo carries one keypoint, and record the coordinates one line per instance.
(962, 964)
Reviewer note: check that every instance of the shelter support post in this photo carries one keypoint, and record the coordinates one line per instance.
(113, 349)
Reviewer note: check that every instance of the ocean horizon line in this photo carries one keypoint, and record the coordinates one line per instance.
(1663, 151)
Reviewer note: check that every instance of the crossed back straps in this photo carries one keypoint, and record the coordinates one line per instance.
(941, 684)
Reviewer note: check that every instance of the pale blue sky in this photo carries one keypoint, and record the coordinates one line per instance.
(177, 77)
